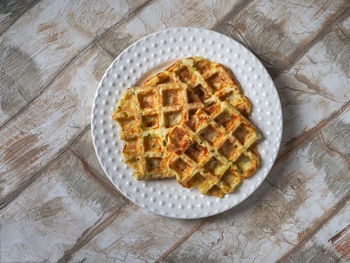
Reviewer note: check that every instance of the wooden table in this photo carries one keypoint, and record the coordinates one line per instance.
(56, 203)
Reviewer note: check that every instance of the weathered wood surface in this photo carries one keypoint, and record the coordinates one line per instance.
(35, 49)
(330, 243)
(11, 10)
(56, 202)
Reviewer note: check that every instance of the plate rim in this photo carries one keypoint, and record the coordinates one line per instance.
(101, 84)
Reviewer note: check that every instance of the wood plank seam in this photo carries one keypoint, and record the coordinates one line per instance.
(14, 84)
(13, 195)
(298, 141)
(90, 233)
(300, 52)
(232, 13)
(338, 206)
(105, 50)
(89, 170)
(24, 11)
(73, 59)
(181, 240)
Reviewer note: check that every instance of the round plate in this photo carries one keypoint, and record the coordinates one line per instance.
(151, 55)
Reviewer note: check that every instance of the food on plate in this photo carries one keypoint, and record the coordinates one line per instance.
(210, 81)
(215, 151)
(146, 115)
(189, 122)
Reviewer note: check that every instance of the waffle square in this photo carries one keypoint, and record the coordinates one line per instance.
(210, 81)
(214, 150)
(146, 115)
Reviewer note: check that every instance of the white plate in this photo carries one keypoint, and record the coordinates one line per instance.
(152, 54)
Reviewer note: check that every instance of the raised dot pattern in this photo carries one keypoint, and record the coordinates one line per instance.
(167, 197)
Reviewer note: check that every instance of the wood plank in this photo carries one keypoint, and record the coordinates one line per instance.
(44, 39)
(317, 85)
(330, 244)
(62, 112)
(85, 151)
(301, 191)
(135, 236)
(277, 30)
(165, 14)
(51, 121)
(10, 98)
(54, 213)
(12, 10)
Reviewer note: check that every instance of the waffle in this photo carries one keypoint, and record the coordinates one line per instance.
(215, 151)
(146, 116)
(210, 81)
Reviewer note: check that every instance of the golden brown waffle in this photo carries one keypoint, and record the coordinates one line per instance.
(215, 151)
(210, 81)
(146, 116)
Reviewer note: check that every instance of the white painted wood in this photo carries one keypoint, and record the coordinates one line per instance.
(44, 39)
(331, 242)
(52, 214)
(317, 85)
(135, 236)
(165, 14)
(275, 29)
(51, 121)
(85, 151)
(12, 10)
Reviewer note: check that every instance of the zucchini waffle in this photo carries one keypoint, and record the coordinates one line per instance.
(210, 81)
(215, 152)
(146, 115)
(189, 122)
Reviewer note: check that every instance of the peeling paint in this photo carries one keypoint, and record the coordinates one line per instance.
(337, 135)
(115, 43)
(337, 176)
(341, 243)
(262, 35)
(337, 46)
(11, 6)
(10, 97)
(48, 209)
(314, 254)
(100, 65)
(190, 256)
(19, 67)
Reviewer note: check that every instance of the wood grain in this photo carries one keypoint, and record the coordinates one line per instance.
(330, 244)
(85, 151)
(52, 214)
(165, 14)
(56, 118)
(277, 30)
(43, 40)
(317, 85)
(10, 11)
(135, 236)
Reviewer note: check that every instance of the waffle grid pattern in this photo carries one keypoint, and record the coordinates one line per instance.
(213, 152)
(146, 116)
(210, 81)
